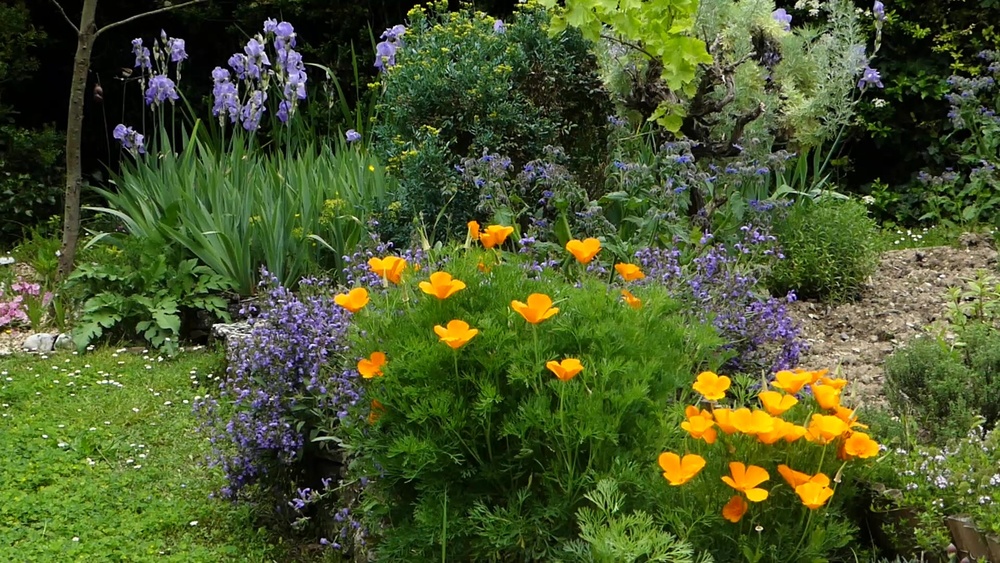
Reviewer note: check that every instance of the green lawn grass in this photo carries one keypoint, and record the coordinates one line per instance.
(101, 460)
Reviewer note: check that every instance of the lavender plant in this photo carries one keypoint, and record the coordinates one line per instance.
(722, 285)
(278, 382)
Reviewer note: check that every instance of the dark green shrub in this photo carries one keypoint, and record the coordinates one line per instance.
(460, 88)
(830, 248)
(929, 381)
(982, 355)
(30, 179)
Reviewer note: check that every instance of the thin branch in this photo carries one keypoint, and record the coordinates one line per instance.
(137, 16)
(628, 44)
(69, 21)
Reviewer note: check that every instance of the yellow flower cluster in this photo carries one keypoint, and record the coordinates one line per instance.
(834, 424)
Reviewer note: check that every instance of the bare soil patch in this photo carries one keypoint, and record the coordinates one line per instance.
(903, 299)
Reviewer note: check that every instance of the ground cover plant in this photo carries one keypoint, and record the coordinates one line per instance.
(100, 459)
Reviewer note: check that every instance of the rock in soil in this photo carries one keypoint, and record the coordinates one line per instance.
(904, 297)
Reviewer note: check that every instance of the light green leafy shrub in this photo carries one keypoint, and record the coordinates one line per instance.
(242, 209)
(482, 452)
(830, 246)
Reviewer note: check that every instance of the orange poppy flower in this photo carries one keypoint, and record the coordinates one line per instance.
(752, 422)
(745, 479)
(792, 477)
(376, 412)
(484, 268)
(779, 431)
(629, 272)
(679, 471)
(692, 411)
(701, 428)
(776, 403)
(836, 383)
(372, 366)
(441, 285)
(814, 375)
(848, 416)
(814, 494)
(823, 429)
(632, 300)
(826, 397)
(711, 386)
(354, 300)
(495, 235)
(566, 369)
(724, 419)
(735, 509)
(791, 382)
(861, 445)
(457, 334)
(473, 230)
(389, 268)
(793, 432)
(585, 250)
(537, 309)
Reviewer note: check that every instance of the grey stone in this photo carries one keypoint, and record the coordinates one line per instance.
(40, 342)
(231, 333)
(65, 342)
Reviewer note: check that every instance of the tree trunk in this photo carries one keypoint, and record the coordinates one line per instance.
(74, 137)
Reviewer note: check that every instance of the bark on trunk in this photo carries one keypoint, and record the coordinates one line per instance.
(74, 138)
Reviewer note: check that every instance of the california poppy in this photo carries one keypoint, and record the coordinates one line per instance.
(457, 334)
(735, 509)
(629, 272)
(376, 412)
(711, 386)
(537, 309)
(701, 428)
(836, 383)
(823, 429)
(495, 235)
(631, 300)
(752, 422)
(441, 285)
(389, 268)
(745, 479)
(679, 471)
(792, 477)
(473, 230)
(566, 369)
(861, 445)
(354, 300)
(776, 403)
(826, 397)
(724, 418)
(814, 494)
(584, 250)
(778, 431)
(790, 381)
(372, 366)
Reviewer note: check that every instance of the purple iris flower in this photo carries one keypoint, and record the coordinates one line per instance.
(499, 27)
(141, 54)
(783, 17)
(177, 49)
(161, 88)
(870, 77)
(352, 136)
(879, 10)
